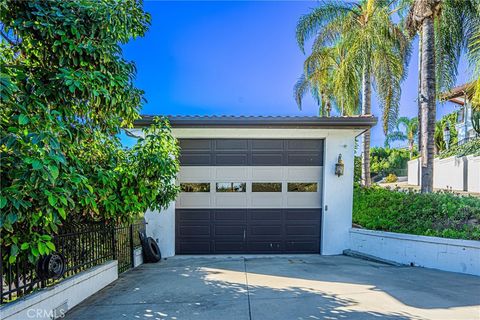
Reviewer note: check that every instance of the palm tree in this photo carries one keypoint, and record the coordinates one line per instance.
(378, 51)
(327, 78)
(408, 133)
(445, 28)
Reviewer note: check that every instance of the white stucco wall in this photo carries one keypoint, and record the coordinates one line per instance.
(161, 227)
(431, 252)
(448, 173)
(473, 170)
(338, 193)
(413, 174)
(56, 300)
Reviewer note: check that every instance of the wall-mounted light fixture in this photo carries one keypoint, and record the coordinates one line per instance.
(339, 166)
(446, 136)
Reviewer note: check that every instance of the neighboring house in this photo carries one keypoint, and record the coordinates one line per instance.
(460, 97)
(259, 185)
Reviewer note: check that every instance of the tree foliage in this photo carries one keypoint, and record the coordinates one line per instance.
(449, 121)
(385, 161)
(66, 91)
(374, 44)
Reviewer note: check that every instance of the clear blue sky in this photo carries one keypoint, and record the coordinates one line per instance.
(233, 58)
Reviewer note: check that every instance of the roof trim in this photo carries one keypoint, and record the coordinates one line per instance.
(357, 122)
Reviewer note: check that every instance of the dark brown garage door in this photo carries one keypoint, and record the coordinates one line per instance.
(209, 231)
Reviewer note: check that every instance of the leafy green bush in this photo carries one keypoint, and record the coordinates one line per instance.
(66, 91)
(471, 147)
(384, 161)
(391, 178)
(433, 214)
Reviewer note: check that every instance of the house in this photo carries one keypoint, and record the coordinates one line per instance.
(460, 97)
(259, 185)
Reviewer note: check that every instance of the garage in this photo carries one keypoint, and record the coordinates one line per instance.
(259, 184)
(249, 196)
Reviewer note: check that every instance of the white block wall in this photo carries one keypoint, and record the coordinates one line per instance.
(454, 173)
(448, 173)
(413, 172)
(54, 301)
(473, 170)
(432, 252)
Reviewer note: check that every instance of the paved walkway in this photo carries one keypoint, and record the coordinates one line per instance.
(294, 287)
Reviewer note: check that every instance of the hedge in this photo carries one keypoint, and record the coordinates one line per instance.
(442, 214)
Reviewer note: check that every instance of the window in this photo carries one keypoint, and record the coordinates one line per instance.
(266, 187)
(302, 187)
(195, 187)
(231, 187)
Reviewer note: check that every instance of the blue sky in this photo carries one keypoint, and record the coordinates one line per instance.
(233, 58)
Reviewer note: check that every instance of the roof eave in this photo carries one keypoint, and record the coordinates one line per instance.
(363, 122)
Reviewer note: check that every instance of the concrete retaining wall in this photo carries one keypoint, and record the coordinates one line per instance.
(432, 252)
(55, 301)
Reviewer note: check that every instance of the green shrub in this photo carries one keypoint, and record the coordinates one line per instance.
(384, 161)
(435, 214)
(469, 148)
(391, 178)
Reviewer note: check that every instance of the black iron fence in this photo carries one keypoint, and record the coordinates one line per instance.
(83, 246)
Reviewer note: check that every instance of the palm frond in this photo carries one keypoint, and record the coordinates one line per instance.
(327, 11)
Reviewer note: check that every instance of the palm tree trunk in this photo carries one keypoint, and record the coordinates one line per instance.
(366, 109)
(410, 147)
(428, 105)
(419, 106)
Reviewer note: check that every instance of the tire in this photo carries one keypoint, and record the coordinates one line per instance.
(151, 251)
(51, 266)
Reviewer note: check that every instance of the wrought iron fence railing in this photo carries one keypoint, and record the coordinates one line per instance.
(83, 246)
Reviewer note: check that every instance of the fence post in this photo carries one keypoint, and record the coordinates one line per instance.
(132, 253)
(114, 244)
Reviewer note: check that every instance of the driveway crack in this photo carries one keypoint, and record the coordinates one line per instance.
(248, 290)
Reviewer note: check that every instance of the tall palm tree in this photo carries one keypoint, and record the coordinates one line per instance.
(327, 77)
(378, 51)
(445, 29)
(408, 133)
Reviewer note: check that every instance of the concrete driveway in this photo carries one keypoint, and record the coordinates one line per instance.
(286, 287)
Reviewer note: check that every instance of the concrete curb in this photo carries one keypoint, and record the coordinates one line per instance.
(360, 255)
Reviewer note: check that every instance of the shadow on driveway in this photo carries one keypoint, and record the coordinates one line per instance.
(287, 287)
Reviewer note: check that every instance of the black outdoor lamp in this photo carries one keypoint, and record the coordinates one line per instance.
(446, 135)
(339, 166)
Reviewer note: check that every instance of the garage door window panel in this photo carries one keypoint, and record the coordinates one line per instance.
(302, 187)
(266, 187)
(231, 187)
(195, 187)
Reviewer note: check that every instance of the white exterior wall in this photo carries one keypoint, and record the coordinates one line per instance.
(337, 193)
(56, 300)
(161, 227)
(432, 252)
(448, 173)
(413, 174)
(473, 170)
